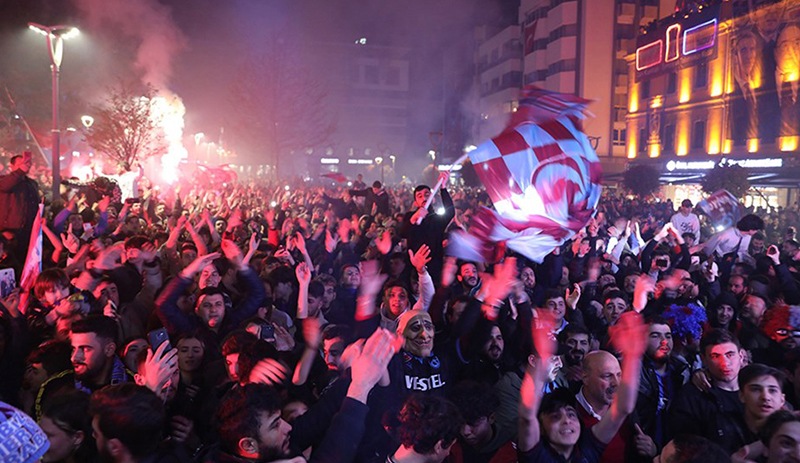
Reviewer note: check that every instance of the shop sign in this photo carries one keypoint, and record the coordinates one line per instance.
(765, 163)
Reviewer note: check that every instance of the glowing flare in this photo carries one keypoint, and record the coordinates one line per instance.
(169, 110)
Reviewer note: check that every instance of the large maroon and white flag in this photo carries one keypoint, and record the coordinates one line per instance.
(542, 176)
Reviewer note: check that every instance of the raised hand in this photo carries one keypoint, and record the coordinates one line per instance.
(449, 270)
(629, 335)
(303, 273)
(572, 297)
(644, 444)
(497, 286)
(268, 371)
(103, 204)
(235, 220)
(11, 302)
(284, 342)
(644, 286)
(344, 230)
(330, 241)
(371, 279)
(384, 242)
(108, 259)
(542, 330)
(148, 252)
(443, 177)
(198, 264)
(300, 242)
(419, 215)
(232, 253)
(370, 364)
(70, 241)
(158, 369)
(420, 258)
(312, 334)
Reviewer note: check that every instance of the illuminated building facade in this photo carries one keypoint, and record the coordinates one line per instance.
(718, 81)
(569, 46)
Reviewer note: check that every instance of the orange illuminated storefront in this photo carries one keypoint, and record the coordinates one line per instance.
(719, 80)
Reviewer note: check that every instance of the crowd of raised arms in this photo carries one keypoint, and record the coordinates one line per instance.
(258, 322)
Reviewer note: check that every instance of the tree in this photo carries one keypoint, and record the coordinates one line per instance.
(127, 125)
(642, 180)
(725, 176)
(281, 103)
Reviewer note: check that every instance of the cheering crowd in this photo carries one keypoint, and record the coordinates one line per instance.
(250, 322)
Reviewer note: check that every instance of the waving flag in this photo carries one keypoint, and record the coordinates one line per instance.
(335, 176)
(722, 208)
(33, 261)
(542, 176)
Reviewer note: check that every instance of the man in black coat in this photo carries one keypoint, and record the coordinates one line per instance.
(431, 229)
(375, 196)
(19, 197)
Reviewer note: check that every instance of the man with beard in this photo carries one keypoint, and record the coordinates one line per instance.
(94, 359)
(468, 277)
(251, 429)
(128, 423)
(574, 343)
(663, 375)
(423, 226)
(716, 413)
(487, 364)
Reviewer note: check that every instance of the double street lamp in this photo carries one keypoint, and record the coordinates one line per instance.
(55, 47)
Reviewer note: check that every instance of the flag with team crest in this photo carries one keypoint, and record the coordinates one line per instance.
(542, 175)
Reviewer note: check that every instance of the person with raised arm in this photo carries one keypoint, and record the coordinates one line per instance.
(550, 428)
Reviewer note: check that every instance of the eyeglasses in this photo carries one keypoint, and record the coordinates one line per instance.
(787, 332)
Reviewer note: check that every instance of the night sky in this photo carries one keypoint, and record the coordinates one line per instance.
(195, 47)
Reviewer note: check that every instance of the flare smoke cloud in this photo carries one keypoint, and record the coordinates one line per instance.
(148, 24)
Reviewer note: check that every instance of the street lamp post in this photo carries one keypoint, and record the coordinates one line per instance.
(55, 47)
(379, 161)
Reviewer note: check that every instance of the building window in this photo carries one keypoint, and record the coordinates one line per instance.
(645, 90)
(567, 30)
(701, 75)
(371, 75)
(699, 135)
(669, 138)
(495, 83)
(564, 65)
(642, 140)
(393, 76)
(672, 82)
(619, 137)
(495, 56)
